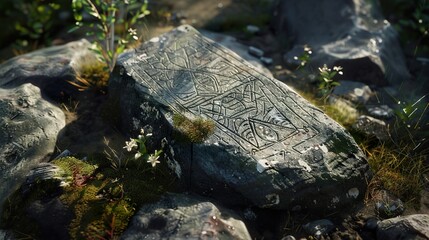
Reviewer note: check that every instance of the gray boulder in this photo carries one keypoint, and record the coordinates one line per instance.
(380, 111)
(6, 235)
(356, 92)
(238, 48)
(349, 33)
(47, 68)
(29, 128)
(408, 227)
(372, 127)
(270, 147)
(178, 216)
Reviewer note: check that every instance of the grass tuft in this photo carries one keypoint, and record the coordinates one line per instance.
(91, 74)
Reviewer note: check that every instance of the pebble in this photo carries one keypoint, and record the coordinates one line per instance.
(255, 51)
(252, 29)
(319, 227)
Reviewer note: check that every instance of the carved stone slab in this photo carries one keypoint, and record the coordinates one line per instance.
(271, 148)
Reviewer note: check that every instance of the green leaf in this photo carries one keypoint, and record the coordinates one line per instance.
(120, 49)
(73, 29)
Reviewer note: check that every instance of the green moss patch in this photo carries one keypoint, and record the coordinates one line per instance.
(102, 200)
(193, 130)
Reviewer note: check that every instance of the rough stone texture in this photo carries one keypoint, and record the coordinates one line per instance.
(271, 148)
(380, 111)
(238, 48)
(349, 33)
(387, 205)
(52, 216)
(29, 126)
(319, 228)
(6, 235)
(46, 67)
(184, 217)
(409, 227)
(356, 92)
(372, 127)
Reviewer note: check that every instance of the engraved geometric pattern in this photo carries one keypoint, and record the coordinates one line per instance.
(207, 80)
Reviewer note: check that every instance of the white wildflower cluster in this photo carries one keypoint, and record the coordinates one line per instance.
(305, 57)
(139, 144)
(326, 77)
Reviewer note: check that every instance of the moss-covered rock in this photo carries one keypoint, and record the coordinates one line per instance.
(100, 200)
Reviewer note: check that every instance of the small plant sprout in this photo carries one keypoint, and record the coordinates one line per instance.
(108, 18)
(305, 57)
(326, 79)
(139, 144)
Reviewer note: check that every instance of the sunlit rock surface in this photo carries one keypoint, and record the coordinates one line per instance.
(39, 67)
(270, 148)
(407, 227)
(29, 126)
(350, 33)
(180, 216)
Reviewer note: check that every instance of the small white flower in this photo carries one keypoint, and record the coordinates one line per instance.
(295, 58)
(132, 31)
(138, 154)
(337, 68)
(153, 160)
(129, 145)
(340, 72)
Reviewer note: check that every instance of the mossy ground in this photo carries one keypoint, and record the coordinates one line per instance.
(101, 199)
(14, 215)
(397, 171)
(397, 167)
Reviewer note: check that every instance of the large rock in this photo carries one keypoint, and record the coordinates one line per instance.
(270, 147)
(349, 33)
(240, 49)
(178, 216)
(29, 126)
(408, 227)
(47, 68)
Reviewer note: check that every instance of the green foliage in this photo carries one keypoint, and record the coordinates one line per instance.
(397, 171)
(342, 113)
(71, 165)
(96, 217)
(411, 19)
(104, 206)
(106, 14)
(196, 130)
(34, 21)
(139, 143)
(305, 57)
(326, 80)
(411, 126)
